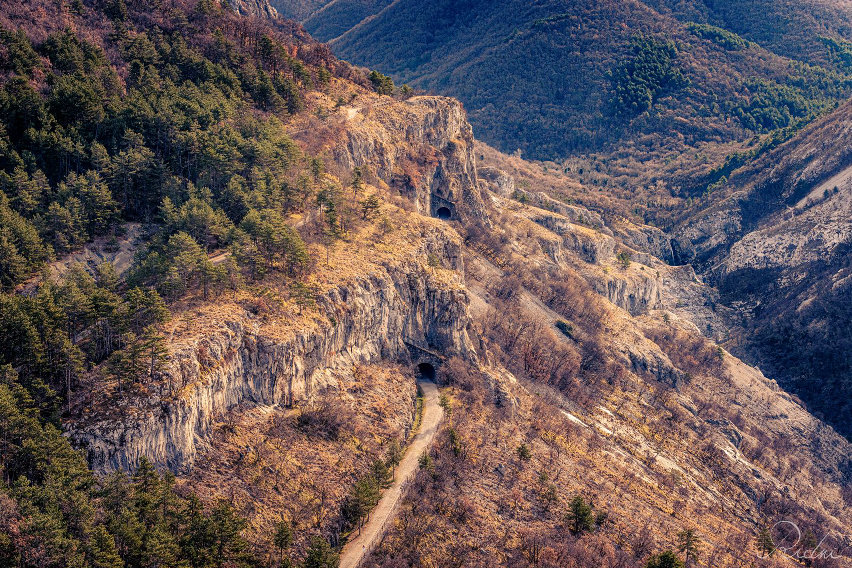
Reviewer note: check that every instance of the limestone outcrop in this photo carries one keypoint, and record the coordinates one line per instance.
(422, 147)
(378, 316)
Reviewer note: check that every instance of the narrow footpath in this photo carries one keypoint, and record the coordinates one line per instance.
(373, 531)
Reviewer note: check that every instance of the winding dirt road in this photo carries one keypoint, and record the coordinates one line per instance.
(372, 532)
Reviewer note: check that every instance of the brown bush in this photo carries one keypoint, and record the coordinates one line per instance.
(689, 353)
(325, 419)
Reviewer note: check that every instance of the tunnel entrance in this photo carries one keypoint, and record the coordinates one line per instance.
(426, 371)
(443, 213)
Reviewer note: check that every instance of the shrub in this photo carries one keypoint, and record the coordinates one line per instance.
(325, 420)
(667, 559)
(566, 328)
(381, 83)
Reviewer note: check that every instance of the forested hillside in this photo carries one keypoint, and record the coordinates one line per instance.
(114, 113)
(800, 29)
(557, 78)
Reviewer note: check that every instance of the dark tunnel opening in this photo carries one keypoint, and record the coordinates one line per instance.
(426, 371)
(443, 213)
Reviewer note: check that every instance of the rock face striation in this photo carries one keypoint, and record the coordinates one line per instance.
(393, 313)
(423, 147)
(400, 310)
(260, 8)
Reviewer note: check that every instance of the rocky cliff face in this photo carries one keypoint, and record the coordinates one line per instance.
(261, 8)
(794, 189)
(389, 314)
(423, 147)
(775, 241)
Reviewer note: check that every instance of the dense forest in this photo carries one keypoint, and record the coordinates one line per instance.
(792, 28)
(165, 115)
(543, 80)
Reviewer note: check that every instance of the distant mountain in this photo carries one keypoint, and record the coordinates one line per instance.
(799, 29)
(555, 77)
(776, 240)
(333, 19)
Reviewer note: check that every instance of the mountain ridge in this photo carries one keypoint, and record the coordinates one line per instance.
(307, 241)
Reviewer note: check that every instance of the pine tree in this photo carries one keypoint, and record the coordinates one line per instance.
(102, 551)
(370, 207)
(580, 516)
(357, 183)
(667, 559)
(303, 295)
(283, 540)
(230, 548)
(394, 455)
(688, 545)
(765, 544)
(381, 474)
(321, 555)
(154, 345)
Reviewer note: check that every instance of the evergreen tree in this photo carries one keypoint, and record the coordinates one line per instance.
(230, 548)
(688, 545)
(303, 295)
(282, 539)
(765, 544)
(394, 455)
(667, 559)
(580, 516)
(381, 83)
(321, 555)
(357, 183)
(370, 207)
(154, 345)
(102, 551)
(99, 210)
(381, 474)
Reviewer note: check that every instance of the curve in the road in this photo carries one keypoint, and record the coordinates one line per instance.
(373, 531)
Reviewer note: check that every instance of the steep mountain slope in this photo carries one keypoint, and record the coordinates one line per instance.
(334, 19)
(299, 10)
(304, 247)
(261, 8)
(553, 78)
(776, 240)
(603, 373)
(794, 28)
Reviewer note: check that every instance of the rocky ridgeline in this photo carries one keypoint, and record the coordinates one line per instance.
(260, 8)
(422, 147)
(389, 314)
